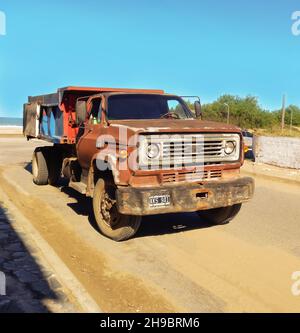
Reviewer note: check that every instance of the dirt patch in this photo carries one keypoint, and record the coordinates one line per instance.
(9, 136)
(112, 290)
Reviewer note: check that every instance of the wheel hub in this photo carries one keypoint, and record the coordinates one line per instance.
(109, 211)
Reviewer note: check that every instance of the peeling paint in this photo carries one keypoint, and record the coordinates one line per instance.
(157, 129)
(130, 128)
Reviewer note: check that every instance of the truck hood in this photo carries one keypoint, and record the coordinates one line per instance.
(172, 126)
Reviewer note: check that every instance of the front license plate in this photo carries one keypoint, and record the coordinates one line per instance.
(160, 201)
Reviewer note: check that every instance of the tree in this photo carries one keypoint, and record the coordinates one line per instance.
(244, 112)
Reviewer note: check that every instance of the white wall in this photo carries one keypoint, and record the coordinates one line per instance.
(279, 151)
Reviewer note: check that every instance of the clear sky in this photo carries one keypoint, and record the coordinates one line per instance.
(202, 47)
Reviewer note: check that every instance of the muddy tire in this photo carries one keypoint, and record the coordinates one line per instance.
(111, 223)
(220, 216)
(40, 167)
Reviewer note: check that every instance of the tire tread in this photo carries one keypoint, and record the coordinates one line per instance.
(43, 173)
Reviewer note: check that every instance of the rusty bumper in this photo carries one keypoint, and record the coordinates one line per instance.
(184, 198)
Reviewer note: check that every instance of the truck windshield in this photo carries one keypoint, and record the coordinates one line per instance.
(122, 107)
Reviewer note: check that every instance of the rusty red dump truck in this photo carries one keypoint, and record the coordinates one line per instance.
(137, 152)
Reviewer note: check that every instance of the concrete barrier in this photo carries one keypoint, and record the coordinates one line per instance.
(279, 151)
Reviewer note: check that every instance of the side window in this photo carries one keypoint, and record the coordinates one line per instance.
(96, 111)
(176, 108)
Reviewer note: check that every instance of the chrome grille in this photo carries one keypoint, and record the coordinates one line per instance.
(187, 150)
(190, 149)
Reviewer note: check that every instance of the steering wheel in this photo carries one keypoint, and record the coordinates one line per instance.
(170, 115)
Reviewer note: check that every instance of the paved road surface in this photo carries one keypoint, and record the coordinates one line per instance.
(177, 262)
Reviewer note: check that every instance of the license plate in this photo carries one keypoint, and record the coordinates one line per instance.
(160, 201)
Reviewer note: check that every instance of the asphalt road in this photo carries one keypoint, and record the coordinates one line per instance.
(176, 262)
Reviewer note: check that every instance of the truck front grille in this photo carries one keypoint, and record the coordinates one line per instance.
(188, 150)
(191, 176)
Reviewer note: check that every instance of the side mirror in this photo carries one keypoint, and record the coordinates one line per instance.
(81, 112)
(198, 110)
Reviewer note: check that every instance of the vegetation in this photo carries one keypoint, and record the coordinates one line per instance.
(248, 114)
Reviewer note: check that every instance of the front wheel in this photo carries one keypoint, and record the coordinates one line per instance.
(111, 223)
(220, 216)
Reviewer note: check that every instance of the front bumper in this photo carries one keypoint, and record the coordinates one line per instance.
(185, 198)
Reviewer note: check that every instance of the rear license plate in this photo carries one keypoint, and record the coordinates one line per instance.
(160, 201)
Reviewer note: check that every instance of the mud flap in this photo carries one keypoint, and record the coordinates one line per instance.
(31, 122)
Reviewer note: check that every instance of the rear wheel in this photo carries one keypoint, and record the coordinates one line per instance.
(111, 223)
(54, 161)
(46, 166)
(220, 216)
(39, 167)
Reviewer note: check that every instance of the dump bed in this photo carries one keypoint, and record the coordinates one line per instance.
(52, 117)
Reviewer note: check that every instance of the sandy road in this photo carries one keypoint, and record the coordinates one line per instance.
(177, 263)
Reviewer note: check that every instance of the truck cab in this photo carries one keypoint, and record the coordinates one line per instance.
(138, 153)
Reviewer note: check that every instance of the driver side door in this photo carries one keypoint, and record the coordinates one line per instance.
(86, 147)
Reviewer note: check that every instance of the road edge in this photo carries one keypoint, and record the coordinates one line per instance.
(272, 178)
(247, 171)
(50, 258)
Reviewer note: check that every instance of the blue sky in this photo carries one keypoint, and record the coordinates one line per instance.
(207, 48)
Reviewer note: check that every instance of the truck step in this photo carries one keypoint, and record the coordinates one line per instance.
(78, 186)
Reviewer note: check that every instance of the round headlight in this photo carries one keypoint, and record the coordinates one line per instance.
(229, 147)
(153, 150)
